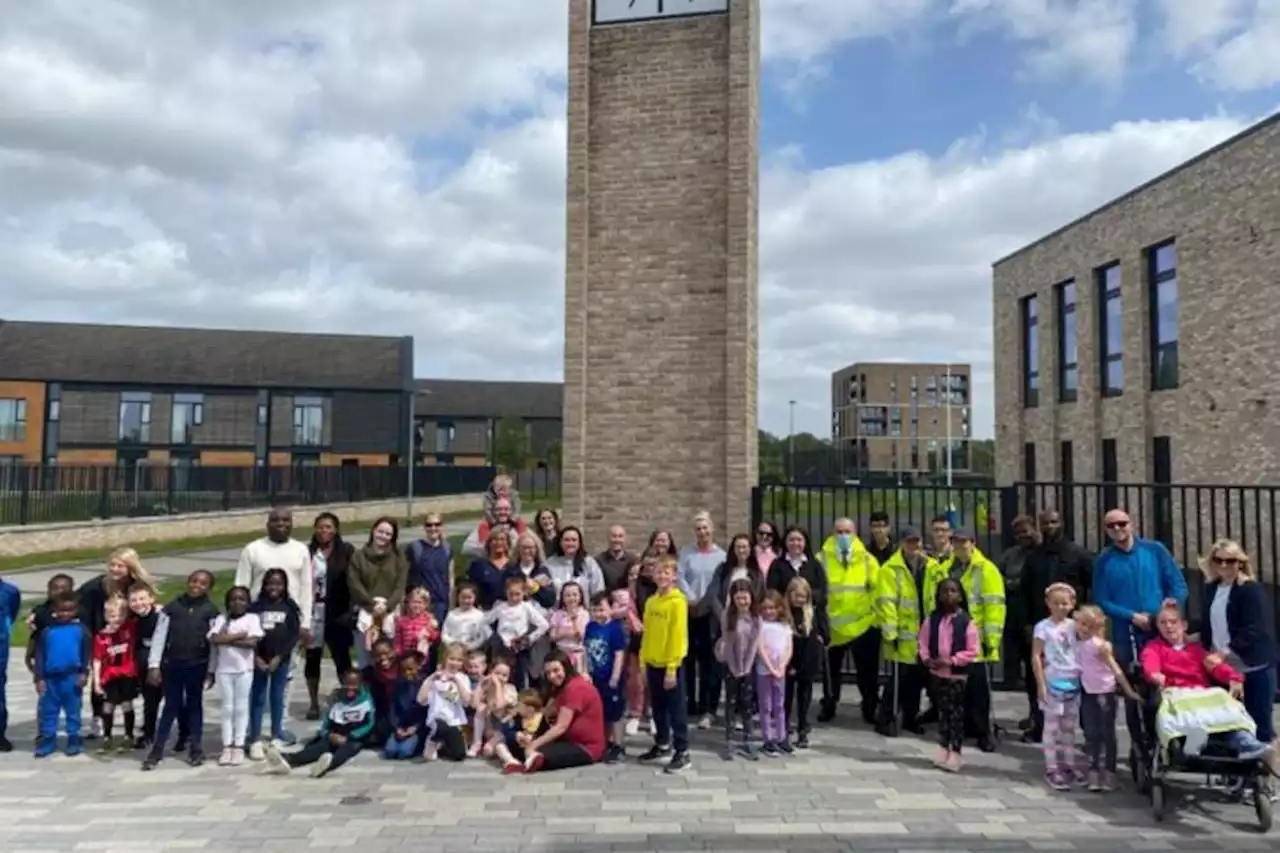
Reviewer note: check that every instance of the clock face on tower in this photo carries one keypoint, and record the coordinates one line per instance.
(629, 11)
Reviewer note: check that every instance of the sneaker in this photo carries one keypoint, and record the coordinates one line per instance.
(913, 727)
(473, 751)
(257, 751)
(748, 752)
(237, 756)
(827, 712)
(705, 721)
(95, 729)
(195, 757)
(275, 763)
(124, 745)
(1262, 750)
(107, 747)
(954, 763)
(616, 754)
(1108, 782)
(941, 757)
(224, 757)
(142, 743)
(512, 768)
(770, 749)
(313, 713)
(1057, 781)
(44, 748)
(654, 753)
(802, 742)
(679, 763)
(5, 744)
(153, 757)
(430, 751)
(786, 747)
(322, 765)
(633, 727)
(1093, 781)
(74, 746)
(986, 744)
(181, 746)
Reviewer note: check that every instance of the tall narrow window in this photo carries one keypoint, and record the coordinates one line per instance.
(1110, 474)
(1068, 372)
(188, 413)
(1066, 462)
(308, 421)
(1030, 353)
(13, 419)
(1161, 460)
(135, 417)
(1029, 462)
(1162, 262)
(1110, 331)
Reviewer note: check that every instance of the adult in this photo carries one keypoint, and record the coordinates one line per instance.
(1133, 578)
(431, 565)
(880, 543)
(900, 602)
(377, 579)
(1017, 627)
(739, 564)
(573, 563)
(503, 488)
(530, 565)
(696, 566)
(503, 523)
(940, 544)
(797, 561)
(663, 543)
(616, 561)
(851, 576)
(488, 573)
(279, 550)
(331, 617)
(1233, 626)
(768, 546)
(576, 736)
(984, 590)
(546, 524)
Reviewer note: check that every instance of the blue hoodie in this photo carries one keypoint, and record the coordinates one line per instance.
(405, 712)
(1135, 581)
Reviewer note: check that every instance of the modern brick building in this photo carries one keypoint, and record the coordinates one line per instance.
(892, 418)
(456, 419)
(660, 283)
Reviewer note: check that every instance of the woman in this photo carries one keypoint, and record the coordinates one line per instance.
(663, 542)
(530, 565)
(573, 563)
(124, 572)
(489, 572)
(739, 564)
(1233, 626)
(331, 605)
(431, 565)
(547, 525)
(376, 579)
(576, 737)
(768, 546)
(797, 560)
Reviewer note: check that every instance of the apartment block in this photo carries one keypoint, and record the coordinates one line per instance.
(455, 420)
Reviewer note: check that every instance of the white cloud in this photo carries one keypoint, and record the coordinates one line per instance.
(1231, 44)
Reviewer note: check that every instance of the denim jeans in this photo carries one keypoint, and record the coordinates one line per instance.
(400, 750)
(183, 685)
(1259, 697)
(268, 687)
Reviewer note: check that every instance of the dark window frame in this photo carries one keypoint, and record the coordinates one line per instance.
(1156, 277)
(17, 430)
(1109, 292)
(186, 412)
(1029, 462)
(308, 421)
(1066, 299)
(1029, 318)
(143, 400)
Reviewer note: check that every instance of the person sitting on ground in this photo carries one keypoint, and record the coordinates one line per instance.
(346, 725)
(407, 717)
(576, 736)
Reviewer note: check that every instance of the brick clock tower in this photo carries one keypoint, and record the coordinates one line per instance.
(661, 316)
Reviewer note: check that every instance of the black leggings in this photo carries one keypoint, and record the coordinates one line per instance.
(799, 698)
(338, 641)
(311, 753)
(453, 745)
(557, 755)
(866, 662)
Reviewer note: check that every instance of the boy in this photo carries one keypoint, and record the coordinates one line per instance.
(142, 602)
(41, 615)
(663, 647)
(10, 604)
(407, 717)
(63, 656)
(605, 645)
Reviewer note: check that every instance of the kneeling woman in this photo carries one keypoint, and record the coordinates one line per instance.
(576, 737)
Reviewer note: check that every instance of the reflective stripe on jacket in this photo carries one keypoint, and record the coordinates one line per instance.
(898, 607)
(850, 590)
(984, 588)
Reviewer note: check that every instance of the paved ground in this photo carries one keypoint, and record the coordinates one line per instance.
(853, 791)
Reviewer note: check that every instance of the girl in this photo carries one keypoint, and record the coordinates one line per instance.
(517, 625)
(739, 641)
(1056, 664)
(446, 695)
(948, 644)
(640, 584)
(1099, 676)
(771, 673)
(115, 671)
(234, 637)
(416, 629)
(466, 625)
(569, 624)
(347, 724)
(142, 602)
(809, 634)
(281, 621)
(495, 703)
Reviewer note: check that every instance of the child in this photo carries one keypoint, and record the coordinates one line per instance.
(10, 608)
(234, 638)
(466, 625)
(739, 641)
(517, 625)
(569, 624)
(662, 652)
(771, 673)
(416, 629)
(639, 586)
(63, 655)
(380, 678)
(346, 725)
(115, 672)
(446, 695)
(406, 714)
(495, 704)
(809, 634)
(41, 615)
(1099, 676)
(948, 644)
(477, 664)
(530, 720)
(1056, 665)
(605, 643)
(179, 661)
(142, 603)
(373, 629)
(281, 622)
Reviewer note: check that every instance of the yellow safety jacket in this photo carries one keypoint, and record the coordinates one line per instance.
(898, 607)
(850, 590)
(984, 588)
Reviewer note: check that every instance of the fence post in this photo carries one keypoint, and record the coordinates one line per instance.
(1008, 512)
(169, 489)
(104, 496)
(226, 490)
(757, 506)
(24, 498)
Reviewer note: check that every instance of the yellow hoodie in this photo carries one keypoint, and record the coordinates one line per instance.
(665, 640)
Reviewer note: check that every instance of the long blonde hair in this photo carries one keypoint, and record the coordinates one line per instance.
(539, 555)
(138, 574)
(799, 584)
(1232, 548)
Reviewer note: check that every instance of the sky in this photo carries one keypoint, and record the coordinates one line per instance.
(398, 168)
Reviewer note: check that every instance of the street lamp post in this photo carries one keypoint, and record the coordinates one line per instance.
(947, 413)
(791, 441)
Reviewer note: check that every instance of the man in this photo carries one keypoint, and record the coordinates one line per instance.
(851, 576)
(899, 603)
(696, 566)
(1017, 649)
(940, 549)
(504, 521)
(984, 591)
(881, 546)
(1132, 579)
(279, 550)
(616, 561)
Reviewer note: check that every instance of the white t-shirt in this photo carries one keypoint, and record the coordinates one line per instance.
(1061, 660)
(444, 703)
(235, 659)
(292, 556)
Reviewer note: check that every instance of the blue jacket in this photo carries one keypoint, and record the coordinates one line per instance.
(65, 648)
(10, 609)
(405, 712)
(429, 568)
(1135, 581)
(1249, 640)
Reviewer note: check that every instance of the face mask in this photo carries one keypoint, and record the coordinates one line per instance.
(844, 540)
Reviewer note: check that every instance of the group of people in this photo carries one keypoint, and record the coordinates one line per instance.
(541, 656)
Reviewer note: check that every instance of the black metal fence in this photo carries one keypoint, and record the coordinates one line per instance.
(42, 494)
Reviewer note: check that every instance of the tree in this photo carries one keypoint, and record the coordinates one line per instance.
(554, 456)
(510, 447)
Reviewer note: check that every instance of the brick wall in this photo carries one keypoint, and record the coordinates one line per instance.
(660, 292)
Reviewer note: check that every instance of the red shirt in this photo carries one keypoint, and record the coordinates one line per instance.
(482, 530)
(587, 729)
(410, 628)
(115, 653)
(1184, 667)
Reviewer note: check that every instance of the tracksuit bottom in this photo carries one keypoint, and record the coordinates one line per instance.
(62, 696)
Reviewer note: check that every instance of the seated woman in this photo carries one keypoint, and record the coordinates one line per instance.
(576, 736)
(1191, 707)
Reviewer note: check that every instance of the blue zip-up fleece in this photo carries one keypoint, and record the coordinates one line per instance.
(65, 648)
(10, 607)
(1136, 581)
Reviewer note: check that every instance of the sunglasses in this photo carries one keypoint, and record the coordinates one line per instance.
(1225, 561)
(768, 533)
(431, 524)
(1117, 525)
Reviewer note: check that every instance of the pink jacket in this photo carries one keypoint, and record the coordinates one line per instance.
(963, 657)
(1184, 667)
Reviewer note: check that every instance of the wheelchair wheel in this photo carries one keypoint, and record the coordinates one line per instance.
(1141, 772)
(1262, 808)
(1157, 800)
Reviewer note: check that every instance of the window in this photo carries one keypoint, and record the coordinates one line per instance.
(188, 412)
(895, 422)
(1068, 374)
(1110, 330)
(1066, 462)
(915, 455)
(1161, 460)
(13, 420)
(445, 433)
(1029, 462)
(1110, 474)
(1162, 262)
(135, 417)
(1162, 497)
(55, 411)
(959, 455)
(1030, 353)
(308, 421)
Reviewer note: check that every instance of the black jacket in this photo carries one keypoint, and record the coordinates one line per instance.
(806, 649)
(1054, 562)
(718, 592)
(1245, 616)
(91, 599)
(546, 594)
(337, 595)
(186, 636)
(781, 574)
(881, 554)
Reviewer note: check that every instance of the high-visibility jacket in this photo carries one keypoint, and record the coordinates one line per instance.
(984, 588)
(898, 607)
(850, 590)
